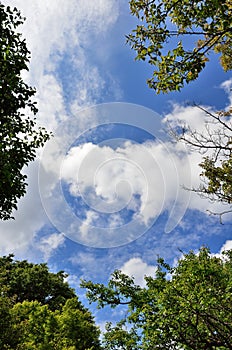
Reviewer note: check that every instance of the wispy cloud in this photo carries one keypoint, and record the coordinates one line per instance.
(47, 245)
(57, 32)
(227, 86)
(16, 236)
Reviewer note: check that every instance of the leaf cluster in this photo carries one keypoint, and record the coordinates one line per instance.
(38, 310)
(183, 307)
(177, 36)
(19, 137)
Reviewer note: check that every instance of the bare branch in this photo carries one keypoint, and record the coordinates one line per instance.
(220, 215)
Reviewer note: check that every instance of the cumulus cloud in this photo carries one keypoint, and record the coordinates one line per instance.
(226, 246)
(119, 176)
(192, 116)
(138, 269)
(136, 181)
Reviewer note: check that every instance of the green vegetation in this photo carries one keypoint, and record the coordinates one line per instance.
(19, 137)
(39, 311)
(184, 307)
(176, 37)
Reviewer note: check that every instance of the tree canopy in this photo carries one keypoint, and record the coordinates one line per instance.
(19, 137)
(28, 281)
(39, 311)
(176, 37)
(188, 306)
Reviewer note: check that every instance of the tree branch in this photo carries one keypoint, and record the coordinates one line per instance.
(220, 215)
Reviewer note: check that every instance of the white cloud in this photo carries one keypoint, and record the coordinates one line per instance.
(227, 86)
(153, 171)
(226, 246)
(52, 30)
(60, 33)
(146, 179)
(90, 266)
(115, 221)
(50, 243)
(199, 122)
(117, 176)
(84, 228)
(54, 26)
(17, 235)
(50, 100)
(137, 268)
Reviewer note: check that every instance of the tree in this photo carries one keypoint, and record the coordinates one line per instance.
(8, 339)
(19, 137)
(28, 281)
(215, 145)
(39, 311)
(176, 37)
(77, 327)
(188, 306)
(35, 325)
(39, 328)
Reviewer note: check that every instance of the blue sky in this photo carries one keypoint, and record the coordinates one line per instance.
(106, 192)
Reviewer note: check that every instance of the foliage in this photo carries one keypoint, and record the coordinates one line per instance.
(19, 137)
(183, 307)
(176, 37)
(39, 311)
(28, 281)
(220, 178)
(35, 324)
(42, 329)
(8, 339)
(215, 145)
(77, 327)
